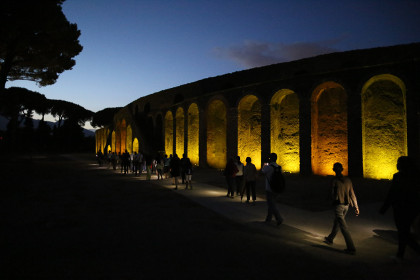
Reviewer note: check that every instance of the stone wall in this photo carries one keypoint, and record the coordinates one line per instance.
(360, 108)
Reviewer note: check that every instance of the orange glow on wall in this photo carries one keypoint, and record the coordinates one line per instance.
(169, 133)
(329, 128)
(129, 139)
(384, 126)
(216, 134)
(179, 122)
(249, 129)
(136, 145)
(284, 116)
(113, 142)
(193, 133)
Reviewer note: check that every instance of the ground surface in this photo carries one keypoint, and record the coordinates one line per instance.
(63, 218)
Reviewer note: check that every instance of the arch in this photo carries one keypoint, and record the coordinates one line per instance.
(284, 122)
(329, 128)
(129, 139)
(384, 125)
(108, 149)
(169, 133)
(136, 145)
(193, 134)
(216, 134)
(179, 133)
(249, 129)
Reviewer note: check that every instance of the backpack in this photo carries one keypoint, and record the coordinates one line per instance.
(277, 183)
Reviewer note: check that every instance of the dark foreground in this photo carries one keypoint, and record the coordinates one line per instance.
(63, 219)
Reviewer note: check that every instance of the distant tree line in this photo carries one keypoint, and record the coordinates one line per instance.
(18, 105)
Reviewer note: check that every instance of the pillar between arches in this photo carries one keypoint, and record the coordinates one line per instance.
(265, 132)
(232, 135)
(305, 141)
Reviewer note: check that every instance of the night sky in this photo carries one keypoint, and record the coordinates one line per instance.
(134, 48)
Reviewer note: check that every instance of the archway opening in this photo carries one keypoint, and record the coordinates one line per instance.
(249, 129)
(384, 126)
(136, 145)
(329, 128)
(179, 122)
(193, 133)
(169, 133)
(216, 134)
(284, 119)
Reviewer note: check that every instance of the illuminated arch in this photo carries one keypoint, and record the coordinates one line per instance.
(108, 148)
(193, 133)
(179, 122)
(136, 145)
(249, 129)
(384, 125)
(216, 134)
(284, 119)
(329, 128)
(129, 139)
(169, 133)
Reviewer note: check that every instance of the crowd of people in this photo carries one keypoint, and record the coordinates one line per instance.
(403, 196)
(163, 167)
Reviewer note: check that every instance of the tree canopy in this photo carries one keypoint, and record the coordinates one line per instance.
(104, 117)
(37, 43)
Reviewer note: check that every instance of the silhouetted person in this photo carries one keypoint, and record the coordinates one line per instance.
(343, 196)
(250, 176)
(404, 198)
(183, 167)
(175, 169)
(239, 178)
(125, 161)
(268, 170)
(230, 173)
(188, 173)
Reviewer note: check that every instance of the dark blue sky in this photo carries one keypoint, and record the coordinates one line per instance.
(134, 48)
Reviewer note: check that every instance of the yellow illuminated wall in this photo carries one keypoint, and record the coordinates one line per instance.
(108, 148)
(136, 145)
(169, 133)
(129, 139)
(329, 128)
(284, 117)
(216, 134)
(384, 126)
(179, 122)
(193, 133)
(249, 129)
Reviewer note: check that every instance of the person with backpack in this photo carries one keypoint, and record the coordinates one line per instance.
(274, 184)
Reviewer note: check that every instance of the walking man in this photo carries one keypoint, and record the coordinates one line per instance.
(343, 196)
(271, 196)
